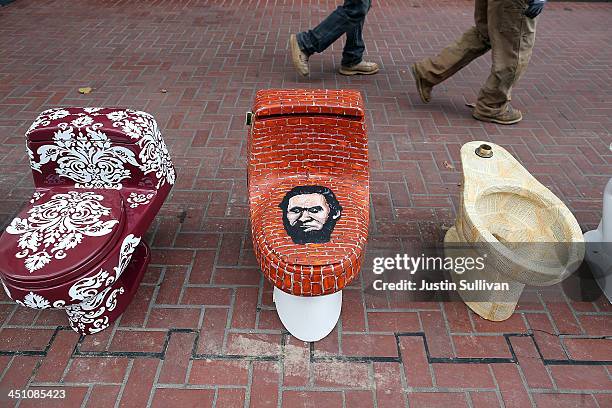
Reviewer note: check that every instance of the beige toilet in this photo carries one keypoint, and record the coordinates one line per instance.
(522, 231)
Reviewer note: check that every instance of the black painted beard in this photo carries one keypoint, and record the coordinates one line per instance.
(299, 236)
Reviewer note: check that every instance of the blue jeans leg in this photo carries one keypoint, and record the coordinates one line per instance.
(346, 19)
(354, 46)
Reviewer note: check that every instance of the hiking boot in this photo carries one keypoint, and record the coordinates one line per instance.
(509, 117)
(299, 57)
(422, 85)
(363, 68)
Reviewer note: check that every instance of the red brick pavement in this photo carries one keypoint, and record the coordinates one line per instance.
(202, 330)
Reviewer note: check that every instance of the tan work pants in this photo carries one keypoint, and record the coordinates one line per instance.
(502, 27)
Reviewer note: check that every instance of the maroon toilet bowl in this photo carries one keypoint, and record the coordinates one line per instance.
(101, 175)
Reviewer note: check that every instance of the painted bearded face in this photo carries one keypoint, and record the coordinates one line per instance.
(310, 214)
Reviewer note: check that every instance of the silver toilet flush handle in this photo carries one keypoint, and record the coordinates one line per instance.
(485, 151)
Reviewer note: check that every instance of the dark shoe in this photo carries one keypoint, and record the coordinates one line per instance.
(363, 68)
(299, 57)
(509, 117)
(421, 84)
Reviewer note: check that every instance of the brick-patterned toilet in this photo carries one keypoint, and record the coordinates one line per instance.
(100, 177)
(308, 183)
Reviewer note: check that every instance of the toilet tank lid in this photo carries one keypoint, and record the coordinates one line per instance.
(337, 102)
(119, 125)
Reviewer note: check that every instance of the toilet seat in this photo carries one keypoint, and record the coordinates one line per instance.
(304, 269)
(98, 221)
(268, 220)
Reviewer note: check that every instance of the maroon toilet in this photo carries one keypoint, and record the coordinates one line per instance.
(101, 175)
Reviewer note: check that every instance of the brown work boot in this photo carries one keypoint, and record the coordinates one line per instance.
(363, 68)
(509, 117)
(299, 57)
(422, 86)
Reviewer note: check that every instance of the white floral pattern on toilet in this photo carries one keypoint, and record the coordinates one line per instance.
(136, 199)
(86, 155)
(36, 301)
(54, 227)
(95, 294)
(36, 196)
(88, 158)
(91, 313)
(154, 156)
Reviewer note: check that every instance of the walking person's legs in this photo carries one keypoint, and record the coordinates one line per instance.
(471, 45)
(347, 18)
(512, 37)
(352, 54)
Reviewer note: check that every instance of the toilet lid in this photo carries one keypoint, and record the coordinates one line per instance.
(348, 235)
(58, 234)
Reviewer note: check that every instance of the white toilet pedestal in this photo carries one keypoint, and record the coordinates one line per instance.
(308, 318)
(599, 246)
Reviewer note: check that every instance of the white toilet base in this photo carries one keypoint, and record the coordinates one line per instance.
(308, 318)
(599, 257)
(599, 246)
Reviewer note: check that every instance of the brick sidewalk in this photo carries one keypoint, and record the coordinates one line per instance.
(202, 329)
